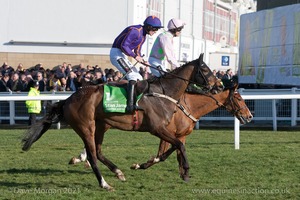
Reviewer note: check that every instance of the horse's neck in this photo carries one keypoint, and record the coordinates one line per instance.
(172, 85)
(200, 105)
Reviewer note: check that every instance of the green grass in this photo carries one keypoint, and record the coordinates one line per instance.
(266, 167)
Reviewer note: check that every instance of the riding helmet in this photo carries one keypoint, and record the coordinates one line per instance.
(153, 21)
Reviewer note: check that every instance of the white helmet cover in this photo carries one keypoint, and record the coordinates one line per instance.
(175, 23)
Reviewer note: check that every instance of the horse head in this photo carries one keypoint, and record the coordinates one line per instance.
(204, 77)
(235, 104)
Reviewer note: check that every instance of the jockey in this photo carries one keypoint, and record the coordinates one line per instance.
(129, 43)
(163, 47)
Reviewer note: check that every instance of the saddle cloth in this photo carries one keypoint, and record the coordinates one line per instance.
(115, 99)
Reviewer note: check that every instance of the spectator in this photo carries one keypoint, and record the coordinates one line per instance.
(34, 106)
(89, 68)
(5, 68)
(53, 83)
(63, 82)
(40, 78)
(99, 78)
(119, 74)
(68, 69)
(228, 74)
(4, 82)
(129, 43)
(163, 47)
(3, 87)
(72, 82)
(109, 78)
(15, 84)
(220, 74)
(215, 73)
(20, 68)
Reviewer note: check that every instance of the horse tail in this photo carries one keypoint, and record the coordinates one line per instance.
(54, 114)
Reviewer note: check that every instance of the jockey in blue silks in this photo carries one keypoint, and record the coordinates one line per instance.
(129, 43)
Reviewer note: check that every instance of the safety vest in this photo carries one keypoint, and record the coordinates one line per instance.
(33, 106)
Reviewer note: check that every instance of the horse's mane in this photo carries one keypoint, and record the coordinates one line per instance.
(178, 68)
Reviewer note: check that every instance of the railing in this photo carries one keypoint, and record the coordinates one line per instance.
(16, 102)
(273, 95)
(266, 105)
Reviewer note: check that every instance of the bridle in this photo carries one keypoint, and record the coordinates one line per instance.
(235, 108)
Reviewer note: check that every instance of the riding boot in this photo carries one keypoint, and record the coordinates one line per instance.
(131, 97)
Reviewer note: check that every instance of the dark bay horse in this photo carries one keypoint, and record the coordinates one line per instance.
(198, 105)
(83, 111)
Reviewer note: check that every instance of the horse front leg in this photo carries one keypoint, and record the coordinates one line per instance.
(163, 153)
(182, 160)
(119, 174)
(181, 170)
(101, 128)
(92, 158)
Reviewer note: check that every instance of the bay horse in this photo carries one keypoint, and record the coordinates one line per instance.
(84, 112)
(198, 105)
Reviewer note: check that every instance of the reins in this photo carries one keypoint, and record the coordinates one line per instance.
(177, 103)
(229, 100)
(188, 114)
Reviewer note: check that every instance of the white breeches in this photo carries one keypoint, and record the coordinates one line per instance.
(154, 63)
(115, 54)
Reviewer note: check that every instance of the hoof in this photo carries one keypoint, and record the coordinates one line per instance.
(120, 175)
(109, 188)
(106, 186)
(186, 178)
(87, 164)
(72, 161)
(135, 166)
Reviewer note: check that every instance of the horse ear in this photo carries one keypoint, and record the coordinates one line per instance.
(235, 81)
(201, 57)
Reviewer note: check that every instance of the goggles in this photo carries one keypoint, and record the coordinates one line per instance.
(179, 29)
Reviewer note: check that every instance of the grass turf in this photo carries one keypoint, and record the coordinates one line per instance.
(266, 167)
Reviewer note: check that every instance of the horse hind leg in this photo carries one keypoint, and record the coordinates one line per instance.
(161, 156)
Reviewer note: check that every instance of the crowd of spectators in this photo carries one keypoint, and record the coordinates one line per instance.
(223, 74)
(64, 77)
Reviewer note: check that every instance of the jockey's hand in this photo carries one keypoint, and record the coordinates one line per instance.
(146, 63)
(139, 59)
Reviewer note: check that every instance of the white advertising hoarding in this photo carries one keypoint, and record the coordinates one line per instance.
(270, 47)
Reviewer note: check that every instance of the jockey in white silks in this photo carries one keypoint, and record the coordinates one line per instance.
(163, 47)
